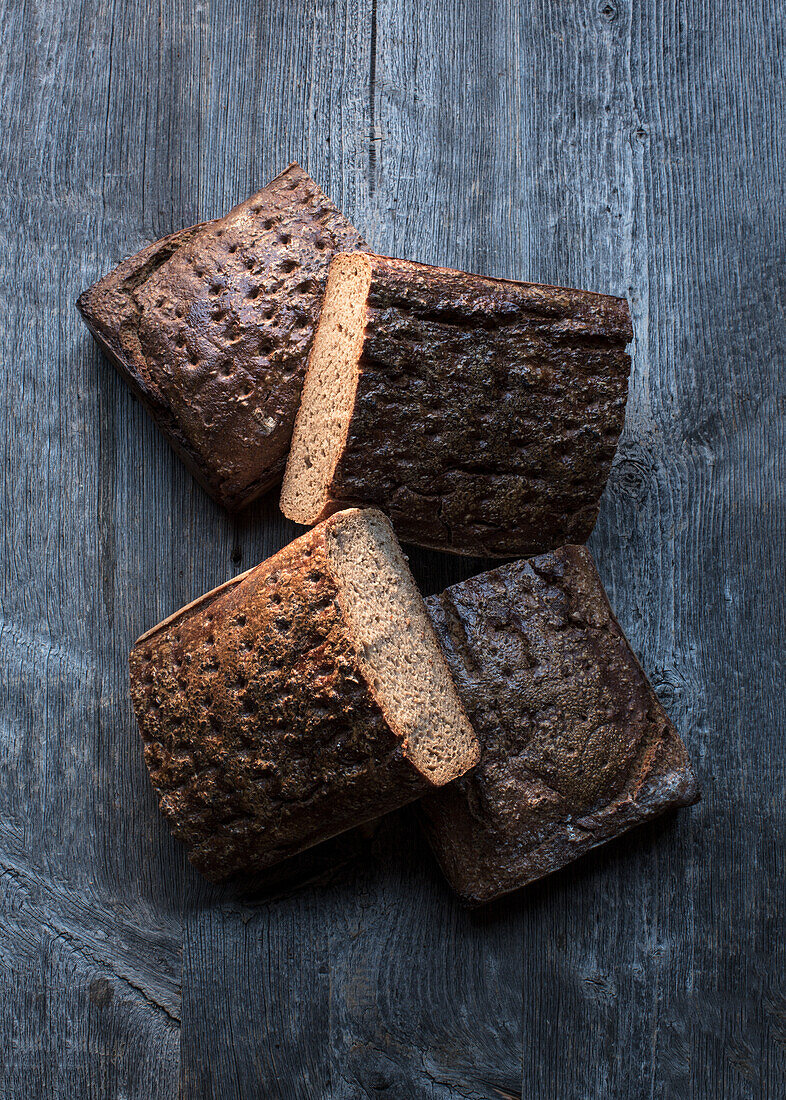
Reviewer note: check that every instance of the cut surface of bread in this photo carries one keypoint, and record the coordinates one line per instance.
(397, 648)
(329, 390)
(576, 746)
(211, 327)
(480, 414)
(298, 700)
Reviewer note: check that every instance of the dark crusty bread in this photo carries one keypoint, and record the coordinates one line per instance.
(211, 327)
(298, 700)
(480, 414)
(576, 746)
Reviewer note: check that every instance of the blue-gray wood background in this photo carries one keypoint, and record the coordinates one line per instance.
(627, 146)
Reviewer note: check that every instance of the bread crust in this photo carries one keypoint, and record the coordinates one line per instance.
(260, 731)
(576, 747)
(211, 328)
(487, 411)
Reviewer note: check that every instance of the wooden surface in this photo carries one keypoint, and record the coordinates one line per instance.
(634, 148)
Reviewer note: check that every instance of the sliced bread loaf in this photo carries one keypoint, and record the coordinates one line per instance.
(480, 414)
(211, 328)
(302, 698)
(576, 746)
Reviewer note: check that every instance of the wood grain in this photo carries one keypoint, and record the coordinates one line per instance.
(624, 146)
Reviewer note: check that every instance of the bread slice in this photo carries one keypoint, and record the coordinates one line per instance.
(576, 746)
(300, 699)
(480, 414)
(211, 328)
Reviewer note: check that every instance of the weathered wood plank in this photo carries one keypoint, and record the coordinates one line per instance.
(653, 167)
(623, 146)
(427, 1000)
(91, 887)
(280, 82)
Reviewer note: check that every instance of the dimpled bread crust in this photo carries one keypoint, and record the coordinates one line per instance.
(298, 700)
(211, 328)
(576, 746)
(481, 415)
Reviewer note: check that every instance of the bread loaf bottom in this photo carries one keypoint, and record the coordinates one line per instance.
(302, 698)
(576, 746)
(211, 327)
(480, 414)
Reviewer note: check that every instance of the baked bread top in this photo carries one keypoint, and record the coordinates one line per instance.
(481, 415)
(300, 699)
(576, 747)
(212, 327)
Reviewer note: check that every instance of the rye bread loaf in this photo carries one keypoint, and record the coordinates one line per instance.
(302, 698)
(211, 328)
(576, 746)
(480, 414)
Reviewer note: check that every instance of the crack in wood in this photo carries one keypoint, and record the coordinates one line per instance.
(145, 959)
(373, 138)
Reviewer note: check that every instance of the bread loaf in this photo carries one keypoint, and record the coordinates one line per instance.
(302, 698)
(480, 414)
(211, 328)
(576, 746)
